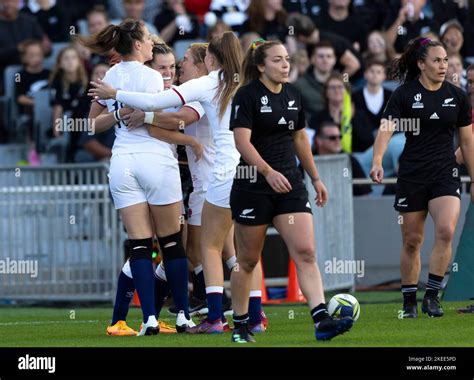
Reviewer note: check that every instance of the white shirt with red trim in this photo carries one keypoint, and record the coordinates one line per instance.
(135, 76)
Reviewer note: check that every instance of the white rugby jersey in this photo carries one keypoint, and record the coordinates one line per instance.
(201, 131)
(203, 90)
(135, 76)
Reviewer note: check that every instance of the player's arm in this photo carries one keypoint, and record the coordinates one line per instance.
(385, 132)
(187, 92)
(466, 144)
(102, 119)
(172, 121)
(459, 155)
(175, 137)
(350, 62)
(304, 154)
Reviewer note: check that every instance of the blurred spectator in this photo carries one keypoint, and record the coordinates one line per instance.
(358, 125)
(310, 8)
(97, 20)
(451, 35)
(337, 19)
(15, 28)
(305, 34)
(373, 98)
(33, 76)
(232, 12)
(444, 10)
(174, 23)
(152, 8)
(198, 8)
(52, 18)
(377, 47)
(134, 9)
(77, 10)
(299, 66)
(267, 18)
(311, 85)
(406, 23)
(91, 146)
(69, 83)
(455, 72)
(218, 30)
(328, 141)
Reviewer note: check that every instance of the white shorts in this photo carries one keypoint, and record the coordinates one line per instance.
(195, 204)
(144, 177)
(218, 193)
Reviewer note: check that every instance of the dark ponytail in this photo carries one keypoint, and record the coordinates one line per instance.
(405, 68)
(255, 56)
(228, 52)
(115, 37)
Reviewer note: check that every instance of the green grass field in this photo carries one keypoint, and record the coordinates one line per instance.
(289, 326)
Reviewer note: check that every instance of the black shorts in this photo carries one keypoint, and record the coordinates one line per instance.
(255, 209)
(412, 196)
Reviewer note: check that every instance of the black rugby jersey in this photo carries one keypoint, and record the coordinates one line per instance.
(272, 118)
(429, 119)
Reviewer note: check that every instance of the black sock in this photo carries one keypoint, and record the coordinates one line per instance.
(433, 285)
(240, 321)
(319, 313)
(199, 286)
(409, 294)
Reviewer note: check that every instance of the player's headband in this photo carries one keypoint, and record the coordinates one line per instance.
(424, 42)
(256, 43)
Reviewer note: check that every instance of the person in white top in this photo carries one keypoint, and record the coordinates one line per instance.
(214, 91)
(144, 175)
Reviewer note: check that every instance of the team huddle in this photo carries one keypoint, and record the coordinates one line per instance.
(256, 120)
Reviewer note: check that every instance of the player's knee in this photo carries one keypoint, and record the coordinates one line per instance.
(305, 254)
(412, 243)
(445, 233)
(172, 247)
(248, 264)
(141, 249)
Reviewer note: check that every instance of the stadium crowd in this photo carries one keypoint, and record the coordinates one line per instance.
(341, 52)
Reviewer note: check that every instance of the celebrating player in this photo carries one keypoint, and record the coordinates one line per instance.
(144, 193)
(431, 110)
(268, 123)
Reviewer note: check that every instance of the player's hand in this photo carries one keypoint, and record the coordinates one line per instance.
(278, 182)
(377, 173)
(321, 193)
(198, 150)
(134, 119)
(101, 90)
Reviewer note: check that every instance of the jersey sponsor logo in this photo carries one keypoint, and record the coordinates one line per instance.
(401, 201)
(434, 116)
(282, 121)
(418, 103)
(447, 103)
(291, 103)
(245, 214)
(265, 107)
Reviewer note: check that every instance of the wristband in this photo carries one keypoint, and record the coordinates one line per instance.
(149, 116)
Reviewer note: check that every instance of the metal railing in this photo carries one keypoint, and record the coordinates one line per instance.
(60, 233)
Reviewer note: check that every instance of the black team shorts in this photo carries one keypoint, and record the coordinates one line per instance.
(255, 209)
(412, 196)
